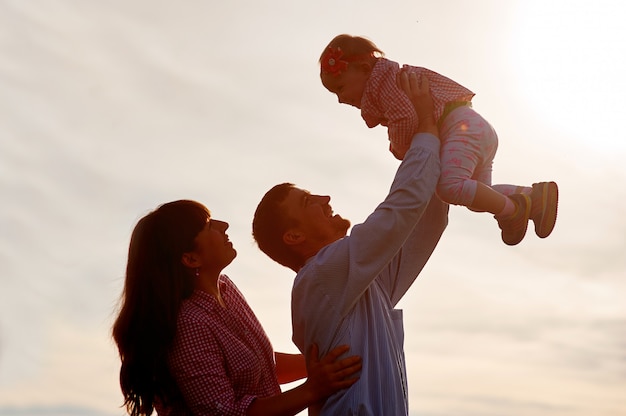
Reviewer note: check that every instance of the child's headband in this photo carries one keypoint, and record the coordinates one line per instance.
(332, 63)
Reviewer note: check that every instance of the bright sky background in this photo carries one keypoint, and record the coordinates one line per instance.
(110, 108)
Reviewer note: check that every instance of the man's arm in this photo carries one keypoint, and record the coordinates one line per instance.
(417, 249)
(375, 243)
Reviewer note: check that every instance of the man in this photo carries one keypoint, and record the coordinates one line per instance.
(346, 287)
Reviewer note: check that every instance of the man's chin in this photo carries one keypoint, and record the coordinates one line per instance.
(342, 224)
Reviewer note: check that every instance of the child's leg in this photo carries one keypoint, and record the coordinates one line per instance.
(544, 197)
(508, 190)
(545, 200)
(469, 147)
(487, 199)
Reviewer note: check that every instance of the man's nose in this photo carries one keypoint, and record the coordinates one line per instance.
(323, 199)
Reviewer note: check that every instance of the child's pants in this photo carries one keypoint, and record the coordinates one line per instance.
(469, 145)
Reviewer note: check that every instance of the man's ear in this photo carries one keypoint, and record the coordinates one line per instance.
(190, 260)
(292, 237)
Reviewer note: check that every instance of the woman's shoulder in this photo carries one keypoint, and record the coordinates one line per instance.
(227, 285)
(196, 308)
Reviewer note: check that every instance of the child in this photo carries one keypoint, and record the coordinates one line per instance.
(356, 71)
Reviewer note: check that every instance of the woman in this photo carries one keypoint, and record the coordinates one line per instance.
(188, 341)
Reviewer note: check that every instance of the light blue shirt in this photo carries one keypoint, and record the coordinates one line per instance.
(347, 293)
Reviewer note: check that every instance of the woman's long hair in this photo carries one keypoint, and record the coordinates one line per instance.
(156, 284)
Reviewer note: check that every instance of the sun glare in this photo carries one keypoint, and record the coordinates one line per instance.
(571, 62)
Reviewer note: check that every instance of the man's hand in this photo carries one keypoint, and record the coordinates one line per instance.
(419, 94)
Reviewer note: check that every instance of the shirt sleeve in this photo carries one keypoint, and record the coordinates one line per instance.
(412, 257)
(198, 367)
(398, 112)
(401, 118)
(375, 243)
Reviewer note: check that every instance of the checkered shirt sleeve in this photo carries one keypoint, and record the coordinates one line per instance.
(221, 359)
(386, 104)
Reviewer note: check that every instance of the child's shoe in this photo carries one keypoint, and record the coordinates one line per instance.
(544, 202)
(514, 226)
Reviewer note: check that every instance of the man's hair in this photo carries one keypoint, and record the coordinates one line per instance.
(270, 223)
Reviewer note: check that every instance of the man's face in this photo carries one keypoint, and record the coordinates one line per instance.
(349, 85)
(315, 218)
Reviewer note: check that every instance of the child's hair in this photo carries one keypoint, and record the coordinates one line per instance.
(353, 47)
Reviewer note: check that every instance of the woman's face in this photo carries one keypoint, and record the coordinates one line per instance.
(213, 247)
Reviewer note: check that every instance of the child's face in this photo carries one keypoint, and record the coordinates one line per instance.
(349, 85)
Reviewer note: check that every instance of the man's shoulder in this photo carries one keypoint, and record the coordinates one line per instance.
(323, 271)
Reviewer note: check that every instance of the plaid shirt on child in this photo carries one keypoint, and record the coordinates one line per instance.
(385, 104)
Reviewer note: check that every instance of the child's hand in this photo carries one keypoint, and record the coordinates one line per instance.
(419, 94)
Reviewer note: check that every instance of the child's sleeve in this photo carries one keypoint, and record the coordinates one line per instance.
(399, 114)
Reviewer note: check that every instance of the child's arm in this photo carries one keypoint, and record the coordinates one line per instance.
(413, 88)
(401, 119)
(419, 95)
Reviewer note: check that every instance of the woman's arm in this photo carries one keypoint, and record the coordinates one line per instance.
(326, 376)
(289, 367)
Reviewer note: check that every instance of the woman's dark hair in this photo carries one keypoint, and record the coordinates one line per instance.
(156, 284)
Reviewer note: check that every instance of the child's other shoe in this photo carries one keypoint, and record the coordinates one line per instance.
(514, 226)
(544, 203)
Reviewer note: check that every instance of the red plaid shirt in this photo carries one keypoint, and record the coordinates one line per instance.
(221, 359)
(385, 104)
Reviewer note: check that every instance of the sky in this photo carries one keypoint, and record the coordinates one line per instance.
(108, 109)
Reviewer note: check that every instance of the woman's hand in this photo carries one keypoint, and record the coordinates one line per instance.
(328, 375)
